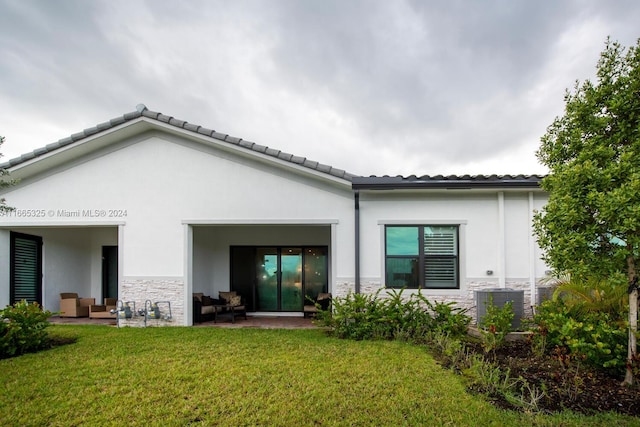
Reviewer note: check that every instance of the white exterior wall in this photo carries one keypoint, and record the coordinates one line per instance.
(174, 202)
(495, 235)
(4, 267)
(540, 266)
(164, 182)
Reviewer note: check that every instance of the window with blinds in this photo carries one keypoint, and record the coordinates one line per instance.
(441, 257)
(421, 256)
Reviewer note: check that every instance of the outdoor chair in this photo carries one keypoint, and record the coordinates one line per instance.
(204, 307)
(72, 306)
(233, 303)
(323, 302)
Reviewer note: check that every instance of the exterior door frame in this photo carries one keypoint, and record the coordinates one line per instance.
(253, 272)
(108, 272)
(38, 266)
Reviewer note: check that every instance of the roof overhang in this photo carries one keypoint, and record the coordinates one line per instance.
(479, 182)
(66, 152)
(88, 143)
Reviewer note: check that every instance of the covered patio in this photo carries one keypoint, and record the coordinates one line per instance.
(274, 267)
(61, 259)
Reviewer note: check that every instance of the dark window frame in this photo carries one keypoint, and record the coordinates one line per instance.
(421, 257)
(13, 273)
(278, 248)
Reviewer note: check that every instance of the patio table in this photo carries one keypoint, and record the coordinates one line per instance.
(224, 309)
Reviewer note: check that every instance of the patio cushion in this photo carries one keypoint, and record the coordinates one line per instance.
(68, 295)
(111, 302)
(204, 307)
(226, 296)
(235, 300)
(208, 309)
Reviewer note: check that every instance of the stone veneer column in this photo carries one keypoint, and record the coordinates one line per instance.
(343, 288)
(155, 289)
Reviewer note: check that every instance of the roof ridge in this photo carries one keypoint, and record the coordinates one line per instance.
(141, 110)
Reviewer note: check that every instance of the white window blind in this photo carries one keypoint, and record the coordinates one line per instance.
(440, 252)
(440, 241)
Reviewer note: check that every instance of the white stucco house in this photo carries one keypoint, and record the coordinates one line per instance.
(149, 207)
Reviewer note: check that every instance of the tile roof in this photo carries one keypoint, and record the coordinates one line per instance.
(143, 111)
(449, 182)
(358, 182)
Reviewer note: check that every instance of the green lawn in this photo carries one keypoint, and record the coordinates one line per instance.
(231, 377)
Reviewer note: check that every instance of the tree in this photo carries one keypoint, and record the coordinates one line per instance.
(4, 182)
(591, 224)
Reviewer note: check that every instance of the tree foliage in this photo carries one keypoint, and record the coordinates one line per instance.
(591, 224)
(592, 221)
(592, 295)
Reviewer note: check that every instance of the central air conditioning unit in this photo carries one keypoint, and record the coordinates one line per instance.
(499, 297)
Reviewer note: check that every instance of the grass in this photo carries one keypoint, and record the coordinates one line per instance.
(209, 376)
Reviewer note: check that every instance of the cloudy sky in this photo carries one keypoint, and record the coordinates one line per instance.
(372, 86)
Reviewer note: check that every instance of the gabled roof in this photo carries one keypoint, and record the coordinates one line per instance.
(143, 111)
(358, 182)
(445, 182)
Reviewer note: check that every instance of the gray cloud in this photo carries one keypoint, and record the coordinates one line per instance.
(368, 86)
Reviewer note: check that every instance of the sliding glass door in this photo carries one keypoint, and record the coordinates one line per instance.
(291, 279)
(315, 273)
(267, 279)
(284, 276)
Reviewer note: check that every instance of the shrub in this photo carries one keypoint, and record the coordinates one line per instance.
(596, 338)
(593, 294)
(368, 316)
(22, 329)
(495, 325)
(355, 317)
(447, 318)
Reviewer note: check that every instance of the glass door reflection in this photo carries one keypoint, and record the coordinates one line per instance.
(291, 279)
(285, 277)
(267, 279)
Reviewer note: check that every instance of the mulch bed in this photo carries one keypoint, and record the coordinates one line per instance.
(569, 386)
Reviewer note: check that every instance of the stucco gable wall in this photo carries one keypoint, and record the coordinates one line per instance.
(154, 183)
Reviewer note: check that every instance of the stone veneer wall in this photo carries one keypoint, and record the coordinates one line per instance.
(154, 289)
(343, 288)
(466, 299)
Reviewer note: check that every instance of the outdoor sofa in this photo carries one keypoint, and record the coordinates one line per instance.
(206, 308)
(73, 306)
(103, 311)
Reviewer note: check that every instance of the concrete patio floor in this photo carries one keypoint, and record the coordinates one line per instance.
(264, 322)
